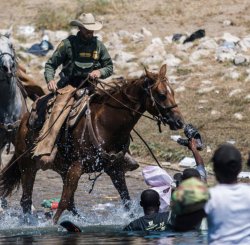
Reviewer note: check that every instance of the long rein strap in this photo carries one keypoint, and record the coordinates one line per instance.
(151, 152)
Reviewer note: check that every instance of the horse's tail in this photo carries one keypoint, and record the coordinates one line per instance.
(10, 177)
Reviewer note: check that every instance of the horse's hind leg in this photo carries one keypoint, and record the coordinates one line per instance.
(69, 188)
(28, 171)
(118, 179)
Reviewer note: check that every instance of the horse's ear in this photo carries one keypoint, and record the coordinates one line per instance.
(8, 32)
(163, 71)
(148, 73)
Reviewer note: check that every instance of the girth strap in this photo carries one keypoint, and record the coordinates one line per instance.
(113, 157)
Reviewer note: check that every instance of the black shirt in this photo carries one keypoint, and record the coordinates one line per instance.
(152, 222)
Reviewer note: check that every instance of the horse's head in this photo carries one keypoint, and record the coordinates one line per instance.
(160, 100)
(7, 58)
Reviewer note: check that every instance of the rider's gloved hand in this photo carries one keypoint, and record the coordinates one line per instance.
(95, 74)
(52, 86)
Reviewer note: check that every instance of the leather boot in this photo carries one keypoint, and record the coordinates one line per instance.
(130, 163)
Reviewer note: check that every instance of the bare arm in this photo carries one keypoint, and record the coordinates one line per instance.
(198, 159)
(193, 147)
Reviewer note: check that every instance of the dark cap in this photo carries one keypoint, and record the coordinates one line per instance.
(150, 198)
(189, 173)
(227, 161)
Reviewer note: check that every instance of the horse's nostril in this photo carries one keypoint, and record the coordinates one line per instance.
(5, 68)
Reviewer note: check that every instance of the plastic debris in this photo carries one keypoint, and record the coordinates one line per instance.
(187, 162)
(244, 175)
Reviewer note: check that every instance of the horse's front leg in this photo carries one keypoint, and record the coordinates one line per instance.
(118, 179)
(70, 185)
(27, 179)
(71, 206)
(1, 152)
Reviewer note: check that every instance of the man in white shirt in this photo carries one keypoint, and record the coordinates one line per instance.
(228, 210)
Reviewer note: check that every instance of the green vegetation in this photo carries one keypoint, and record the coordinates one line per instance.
(53, 19)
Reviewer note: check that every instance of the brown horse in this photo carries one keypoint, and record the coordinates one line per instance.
(113, 116)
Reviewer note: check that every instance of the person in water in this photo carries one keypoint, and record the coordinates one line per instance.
(186, 212)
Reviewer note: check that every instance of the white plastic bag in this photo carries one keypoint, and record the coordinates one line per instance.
(160, 181)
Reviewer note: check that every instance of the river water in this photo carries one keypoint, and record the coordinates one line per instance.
(102, 221)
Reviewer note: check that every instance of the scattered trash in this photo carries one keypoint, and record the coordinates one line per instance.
(230, 38)
(50, 203)
(240, 60)
(26, 30)
(196, 35)
(238, 116)
(226, 46)
(227, 23)
(42, 48)
(175, 137)
(231, 142)
(166, 164)
(209, 149)
(176, 37)
(187, 162)
(244, 175)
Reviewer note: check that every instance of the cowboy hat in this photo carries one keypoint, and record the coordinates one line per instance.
(87, 20)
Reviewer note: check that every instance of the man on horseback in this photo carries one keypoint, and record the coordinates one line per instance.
(82, 56)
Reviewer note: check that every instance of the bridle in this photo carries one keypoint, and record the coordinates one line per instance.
(9, 127)
(160, 118)
(13, 57)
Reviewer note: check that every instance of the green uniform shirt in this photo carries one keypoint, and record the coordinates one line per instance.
(78, 58)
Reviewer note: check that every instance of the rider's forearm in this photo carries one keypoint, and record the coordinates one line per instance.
(106, 63)
(106, 71)
(49, 73)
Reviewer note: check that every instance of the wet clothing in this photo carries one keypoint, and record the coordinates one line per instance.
(78, 57)
(228, 214)
(152, 222)
(202, 171)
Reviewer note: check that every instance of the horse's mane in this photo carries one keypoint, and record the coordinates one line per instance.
(116, 86)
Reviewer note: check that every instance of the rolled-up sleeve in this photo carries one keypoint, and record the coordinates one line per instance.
(106, 62)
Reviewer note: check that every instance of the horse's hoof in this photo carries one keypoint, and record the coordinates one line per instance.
(29, 219)
(4, 203)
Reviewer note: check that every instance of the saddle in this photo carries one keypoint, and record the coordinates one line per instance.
(41, 109)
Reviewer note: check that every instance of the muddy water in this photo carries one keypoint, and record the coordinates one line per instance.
(103, 216)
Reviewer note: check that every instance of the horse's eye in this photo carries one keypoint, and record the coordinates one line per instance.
(162, 97)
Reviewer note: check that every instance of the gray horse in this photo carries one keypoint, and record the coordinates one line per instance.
(12, 103)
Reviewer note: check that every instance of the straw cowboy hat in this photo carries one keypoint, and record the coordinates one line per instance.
(87, 20)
